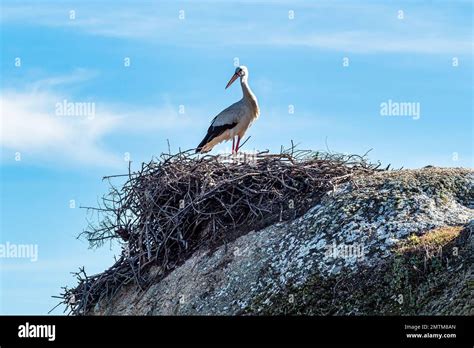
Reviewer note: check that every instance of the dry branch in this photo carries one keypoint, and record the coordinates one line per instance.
(181, 203)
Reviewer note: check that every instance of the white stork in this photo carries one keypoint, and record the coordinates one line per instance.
(235, 120)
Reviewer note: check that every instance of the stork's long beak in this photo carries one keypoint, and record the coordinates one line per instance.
(231, 81)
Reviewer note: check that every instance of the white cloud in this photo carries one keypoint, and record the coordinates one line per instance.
(366, 42)
(342, 27)
(29, 124)
(76, 76)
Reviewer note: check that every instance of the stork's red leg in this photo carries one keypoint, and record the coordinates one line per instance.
(237, 147)
(233, 144)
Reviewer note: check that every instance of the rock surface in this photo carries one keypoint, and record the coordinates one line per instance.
(395, 242)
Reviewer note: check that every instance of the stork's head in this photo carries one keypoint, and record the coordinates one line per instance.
(240, 71)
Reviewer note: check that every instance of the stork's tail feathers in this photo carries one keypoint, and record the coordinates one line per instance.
(202, 143)
(213, 132)
(199, 150)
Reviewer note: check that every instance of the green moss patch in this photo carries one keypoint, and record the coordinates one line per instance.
(425, 275)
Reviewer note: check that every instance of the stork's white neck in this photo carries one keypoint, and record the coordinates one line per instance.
(246, 88)
(248, 95)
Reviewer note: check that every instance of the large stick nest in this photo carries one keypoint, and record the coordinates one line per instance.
(180, 203)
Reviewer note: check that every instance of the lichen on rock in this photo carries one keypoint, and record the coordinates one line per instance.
(393, 242)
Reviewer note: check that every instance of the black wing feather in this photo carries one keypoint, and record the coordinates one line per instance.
(212, 132)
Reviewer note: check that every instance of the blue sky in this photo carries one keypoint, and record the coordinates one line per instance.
(182, 55)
